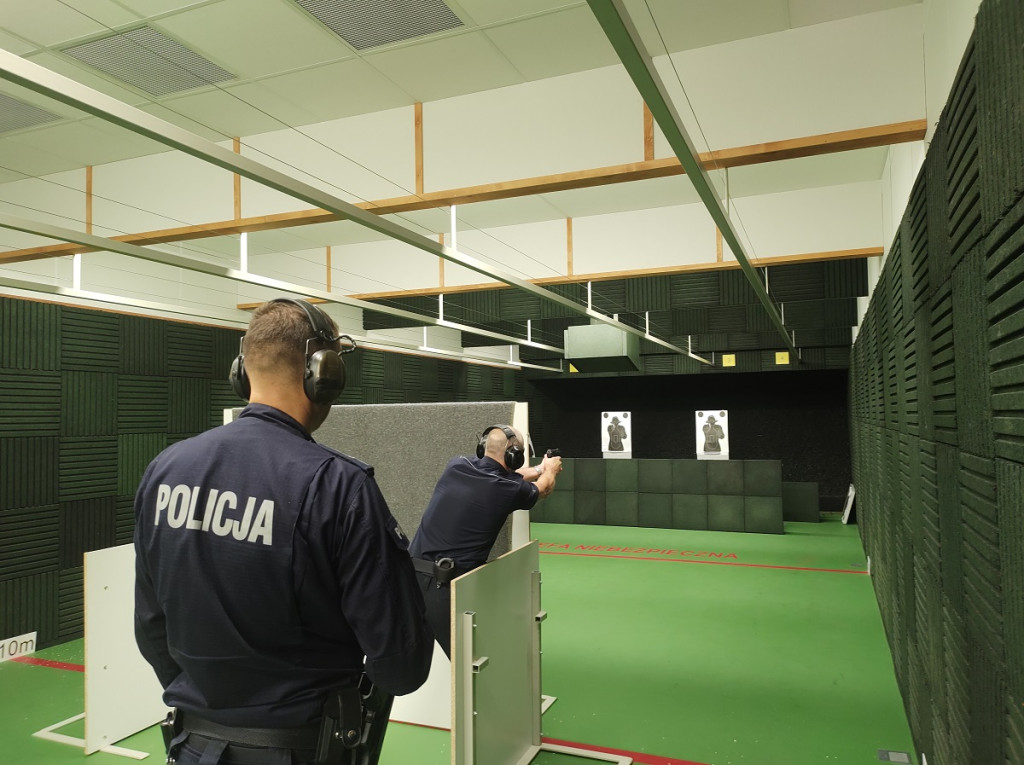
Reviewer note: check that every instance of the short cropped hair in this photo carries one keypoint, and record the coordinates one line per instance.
(277, 336)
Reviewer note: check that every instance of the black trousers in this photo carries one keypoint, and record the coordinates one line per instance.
(438, 600)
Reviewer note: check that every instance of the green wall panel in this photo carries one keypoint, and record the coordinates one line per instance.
(690, 511)
(86, 525)
(88, 404)
(29, 467)
(654, 476)
(70, 604)
(726, 512)
(725, 477)
(763, 515)
(188, 405)
(30, 334)
(622, 508)
(29, 541)
(589, 507)
(144, 346)
(589, 475)
(30, 403)
(189, 350)
(29, 604)
(654, 510)
(90, 340)
(142, 403)
(620, 475)
(690, 476)
(134, 453)
(88, 468)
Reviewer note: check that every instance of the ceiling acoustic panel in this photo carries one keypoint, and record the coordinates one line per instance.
(149, 60)
(366, 24)
(16, 115)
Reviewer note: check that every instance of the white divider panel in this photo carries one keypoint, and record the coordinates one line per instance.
(496, 710)
(122, 694)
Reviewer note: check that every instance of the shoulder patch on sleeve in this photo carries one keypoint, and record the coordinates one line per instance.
(400, 537)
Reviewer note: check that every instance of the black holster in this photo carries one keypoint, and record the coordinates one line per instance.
(355, 720)
(169, 729)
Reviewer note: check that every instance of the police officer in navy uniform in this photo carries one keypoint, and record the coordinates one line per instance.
(469, 506)
(269, 567)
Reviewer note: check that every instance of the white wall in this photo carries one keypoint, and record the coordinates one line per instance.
(948, 25)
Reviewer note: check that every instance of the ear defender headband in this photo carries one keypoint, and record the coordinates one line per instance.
(515, 457)
(324, 376)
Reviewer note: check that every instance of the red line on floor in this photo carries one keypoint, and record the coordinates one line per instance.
(51, 664)
(706, 562)
(638, 757)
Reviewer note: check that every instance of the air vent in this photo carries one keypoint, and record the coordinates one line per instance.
(15, 115)
(365, 24)
(150, 61)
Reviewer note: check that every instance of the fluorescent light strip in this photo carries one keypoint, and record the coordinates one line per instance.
(132, 250)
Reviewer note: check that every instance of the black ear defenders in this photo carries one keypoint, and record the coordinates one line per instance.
(324, 377)
(515, 457)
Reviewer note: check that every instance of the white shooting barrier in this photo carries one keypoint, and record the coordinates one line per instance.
(496, 660)
(122, 695)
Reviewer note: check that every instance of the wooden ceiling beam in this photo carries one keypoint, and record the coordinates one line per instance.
(810, 146)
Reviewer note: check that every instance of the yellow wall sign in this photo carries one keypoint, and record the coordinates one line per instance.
(728, 359)
(782, 357)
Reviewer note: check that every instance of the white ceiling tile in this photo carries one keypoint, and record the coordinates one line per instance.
(88, 142)
(537, 46)
(808, 172)
(676, 25)
(617, 197)
(51, 22)
(222, 112)
(109, 13)
(148, 8)
(21, 157)
(14, 44)
(806, 12)
(182, 121)
(9, 176)
(255, 38)
(450, 66)
(307, 237)
(485, 12)
(507, 212)
(323, 93)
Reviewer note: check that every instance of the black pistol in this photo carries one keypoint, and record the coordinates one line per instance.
(553, 453)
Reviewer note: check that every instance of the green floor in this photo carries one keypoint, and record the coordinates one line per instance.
(709, 647)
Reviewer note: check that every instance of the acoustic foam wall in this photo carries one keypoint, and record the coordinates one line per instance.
(937, 433)
(87, 399)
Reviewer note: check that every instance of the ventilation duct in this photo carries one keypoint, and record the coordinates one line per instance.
(602, 348)
(17, 115)
(365, 24)
(149, 60)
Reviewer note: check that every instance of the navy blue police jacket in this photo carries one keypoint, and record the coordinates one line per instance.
(267, 566)
(470, 503)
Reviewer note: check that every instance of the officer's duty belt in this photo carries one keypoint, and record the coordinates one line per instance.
(274, 738)
(443, 570)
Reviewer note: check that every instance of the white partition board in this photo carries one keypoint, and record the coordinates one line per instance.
(122, 694)
(496, 714)
(496, 665)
